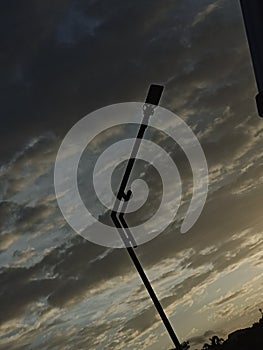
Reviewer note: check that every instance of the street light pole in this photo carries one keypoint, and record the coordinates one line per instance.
(124, 195)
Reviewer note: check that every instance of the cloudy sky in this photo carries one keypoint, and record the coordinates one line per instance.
(64, 59)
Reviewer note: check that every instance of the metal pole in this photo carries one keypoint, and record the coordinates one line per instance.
(153, 97)
(154, 298)
(253, 19)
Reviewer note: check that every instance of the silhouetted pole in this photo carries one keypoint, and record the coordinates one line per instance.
(124, 195)
(253, 18)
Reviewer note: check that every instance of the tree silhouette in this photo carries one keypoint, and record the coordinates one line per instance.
(185, 345)
(241, 339)
(215, 341)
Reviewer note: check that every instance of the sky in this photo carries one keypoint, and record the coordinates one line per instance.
(64, 59)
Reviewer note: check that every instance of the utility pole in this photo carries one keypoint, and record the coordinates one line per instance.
(253, 18)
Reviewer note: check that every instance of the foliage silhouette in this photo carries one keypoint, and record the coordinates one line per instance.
(242, 339)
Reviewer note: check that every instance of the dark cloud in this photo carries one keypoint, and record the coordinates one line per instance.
(17, 291)
(64, 72)
(142, 321)
(78, 275)
(71, 68)
(7, 214)
(29, 216)
(72, 273)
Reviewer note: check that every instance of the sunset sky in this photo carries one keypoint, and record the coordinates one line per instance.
(64, 59)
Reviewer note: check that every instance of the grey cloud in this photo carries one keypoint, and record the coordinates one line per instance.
(187, 285)
(228, 298)
(142, 321)
(28, 166)
(201, 16)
